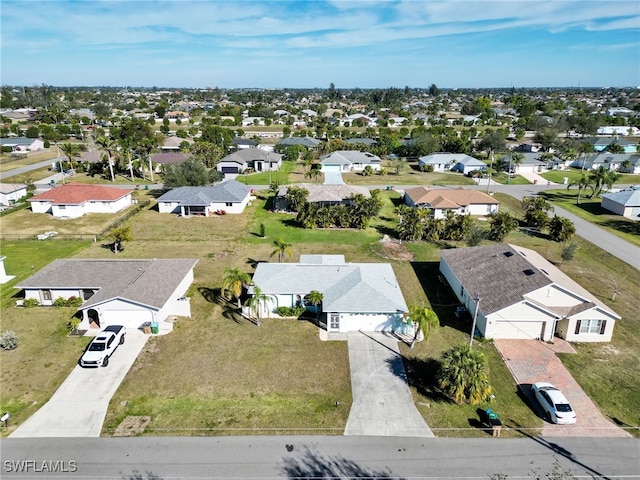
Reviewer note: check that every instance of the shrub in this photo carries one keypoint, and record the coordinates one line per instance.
(60, 302)
(73, 324)
(290, 311)
(9, 340)
(30, 303)
(74, 301)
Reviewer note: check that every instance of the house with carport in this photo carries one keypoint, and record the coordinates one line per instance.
(515, 293)
(459, 201)
(74, 200)
(355, 296)
(229, 196)
(127, 292)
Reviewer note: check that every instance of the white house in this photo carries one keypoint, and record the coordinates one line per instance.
(618, 130)
(513, 292)
(441, 161)
(531, 163)
(117, 292)
(349, 160)
(76, 199)
(10, 193)
(467, 164)
(229, 196)
(22, 144)
(625, 202)
(356, 296)
(460, 201)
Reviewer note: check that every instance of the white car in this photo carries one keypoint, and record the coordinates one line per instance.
(102, 347)
(555, 405)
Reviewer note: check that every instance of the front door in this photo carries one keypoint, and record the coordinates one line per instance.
(334, 323)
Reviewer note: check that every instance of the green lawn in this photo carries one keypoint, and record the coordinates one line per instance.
(573, 174)
(591, 210)
(220, 374)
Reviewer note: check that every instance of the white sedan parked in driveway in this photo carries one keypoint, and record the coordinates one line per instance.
(555, 405)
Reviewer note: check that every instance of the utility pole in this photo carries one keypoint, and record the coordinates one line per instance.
(490, 168)
(475, 318)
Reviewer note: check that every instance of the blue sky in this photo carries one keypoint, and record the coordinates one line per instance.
(296, 44)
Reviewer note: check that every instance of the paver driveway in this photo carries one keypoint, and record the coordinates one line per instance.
(79, 406)
(382, 403)
(532, 361)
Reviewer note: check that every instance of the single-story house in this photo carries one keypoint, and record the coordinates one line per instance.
(229, 196)
(460, 201)
(323, 194)
(441, 161)
(632, 166)
(356, 296)
(308, 142)
(531, 163)
(349, 160)
(617, 130)
(625, 202)
(241, 143)
(10, 193)
(513, 292)
(256, 158)
(22, 144)
(159, 160)
(116, 292)
(76, 199)
(610, 161)
(467, 164)
(173, 144)
(369, 142)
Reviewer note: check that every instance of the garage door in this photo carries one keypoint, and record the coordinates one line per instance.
(229, 169)
(128, 318)
(519, 330)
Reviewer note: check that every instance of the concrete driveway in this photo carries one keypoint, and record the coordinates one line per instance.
(532, 361)
(333, 178)
(79, 406)
(382, 403)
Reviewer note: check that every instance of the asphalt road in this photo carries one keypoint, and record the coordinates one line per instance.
(320, 457)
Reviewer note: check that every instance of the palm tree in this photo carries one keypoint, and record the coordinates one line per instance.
(502, 223)
(516, 158)
(424, 320)
(282, 248)
(535, 211)
(610, 178)
(463, 375)
(583, 182)
(109, 146)
(72, 150)
(233, 281)
(315, 298)
(561, 229)
(257, 302)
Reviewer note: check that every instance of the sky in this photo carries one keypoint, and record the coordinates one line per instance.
(308, 44)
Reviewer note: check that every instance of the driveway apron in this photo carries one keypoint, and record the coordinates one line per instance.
(79, 406)
(532, 361)
(382, 403)
(333, 178)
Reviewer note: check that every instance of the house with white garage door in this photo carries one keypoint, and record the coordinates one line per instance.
(355, 296)
(229, 196)
(349, 160)
(515, 293)
(117, 292)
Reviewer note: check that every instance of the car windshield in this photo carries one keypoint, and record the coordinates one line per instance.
(563, 407)
(96, 347)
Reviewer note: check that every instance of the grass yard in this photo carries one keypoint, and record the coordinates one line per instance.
(408, 177)
(591, 210)
(573, 174)
(220, 374)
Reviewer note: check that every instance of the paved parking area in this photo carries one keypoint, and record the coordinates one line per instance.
(79, 406)
(382, 403)
(532, 361)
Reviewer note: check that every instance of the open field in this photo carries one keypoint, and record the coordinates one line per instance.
(591, 210)
(7, 162)
(220, 374)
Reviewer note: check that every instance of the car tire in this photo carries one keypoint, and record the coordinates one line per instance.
(105, 362)
(547, 417)
(122, 340)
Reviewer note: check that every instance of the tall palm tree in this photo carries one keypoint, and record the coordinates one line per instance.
(424, 320)
(72, 150)
(463, 375)
(282, 248)
(109, 147)
(583, 182)
(233, 281)
(257, 302)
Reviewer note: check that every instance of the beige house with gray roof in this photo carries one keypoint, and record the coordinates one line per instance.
(117, 292)
(517, 294)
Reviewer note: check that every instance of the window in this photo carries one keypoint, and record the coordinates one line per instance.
(335, 321)
(46, 294)
(229, 204)
(590, 326)
(62, 207)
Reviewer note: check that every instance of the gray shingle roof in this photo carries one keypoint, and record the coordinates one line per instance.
(229, 191)
(304, 141)
(348, 157)
(346, 287)
(146, 282)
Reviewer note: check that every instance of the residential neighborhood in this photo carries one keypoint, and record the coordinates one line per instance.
(282, 245)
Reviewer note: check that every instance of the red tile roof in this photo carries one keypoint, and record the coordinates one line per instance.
(77, 193)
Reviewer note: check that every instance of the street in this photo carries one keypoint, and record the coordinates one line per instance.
(319, 457)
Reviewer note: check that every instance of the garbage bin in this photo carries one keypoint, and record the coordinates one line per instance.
(565, 180)
(146, 328)
(154, 328)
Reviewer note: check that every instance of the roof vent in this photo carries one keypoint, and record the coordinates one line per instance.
(528, 272)
(508, 254)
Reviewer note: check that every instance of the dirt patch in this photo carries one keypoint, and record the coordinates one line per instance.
(394, 249)
(132, 426)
